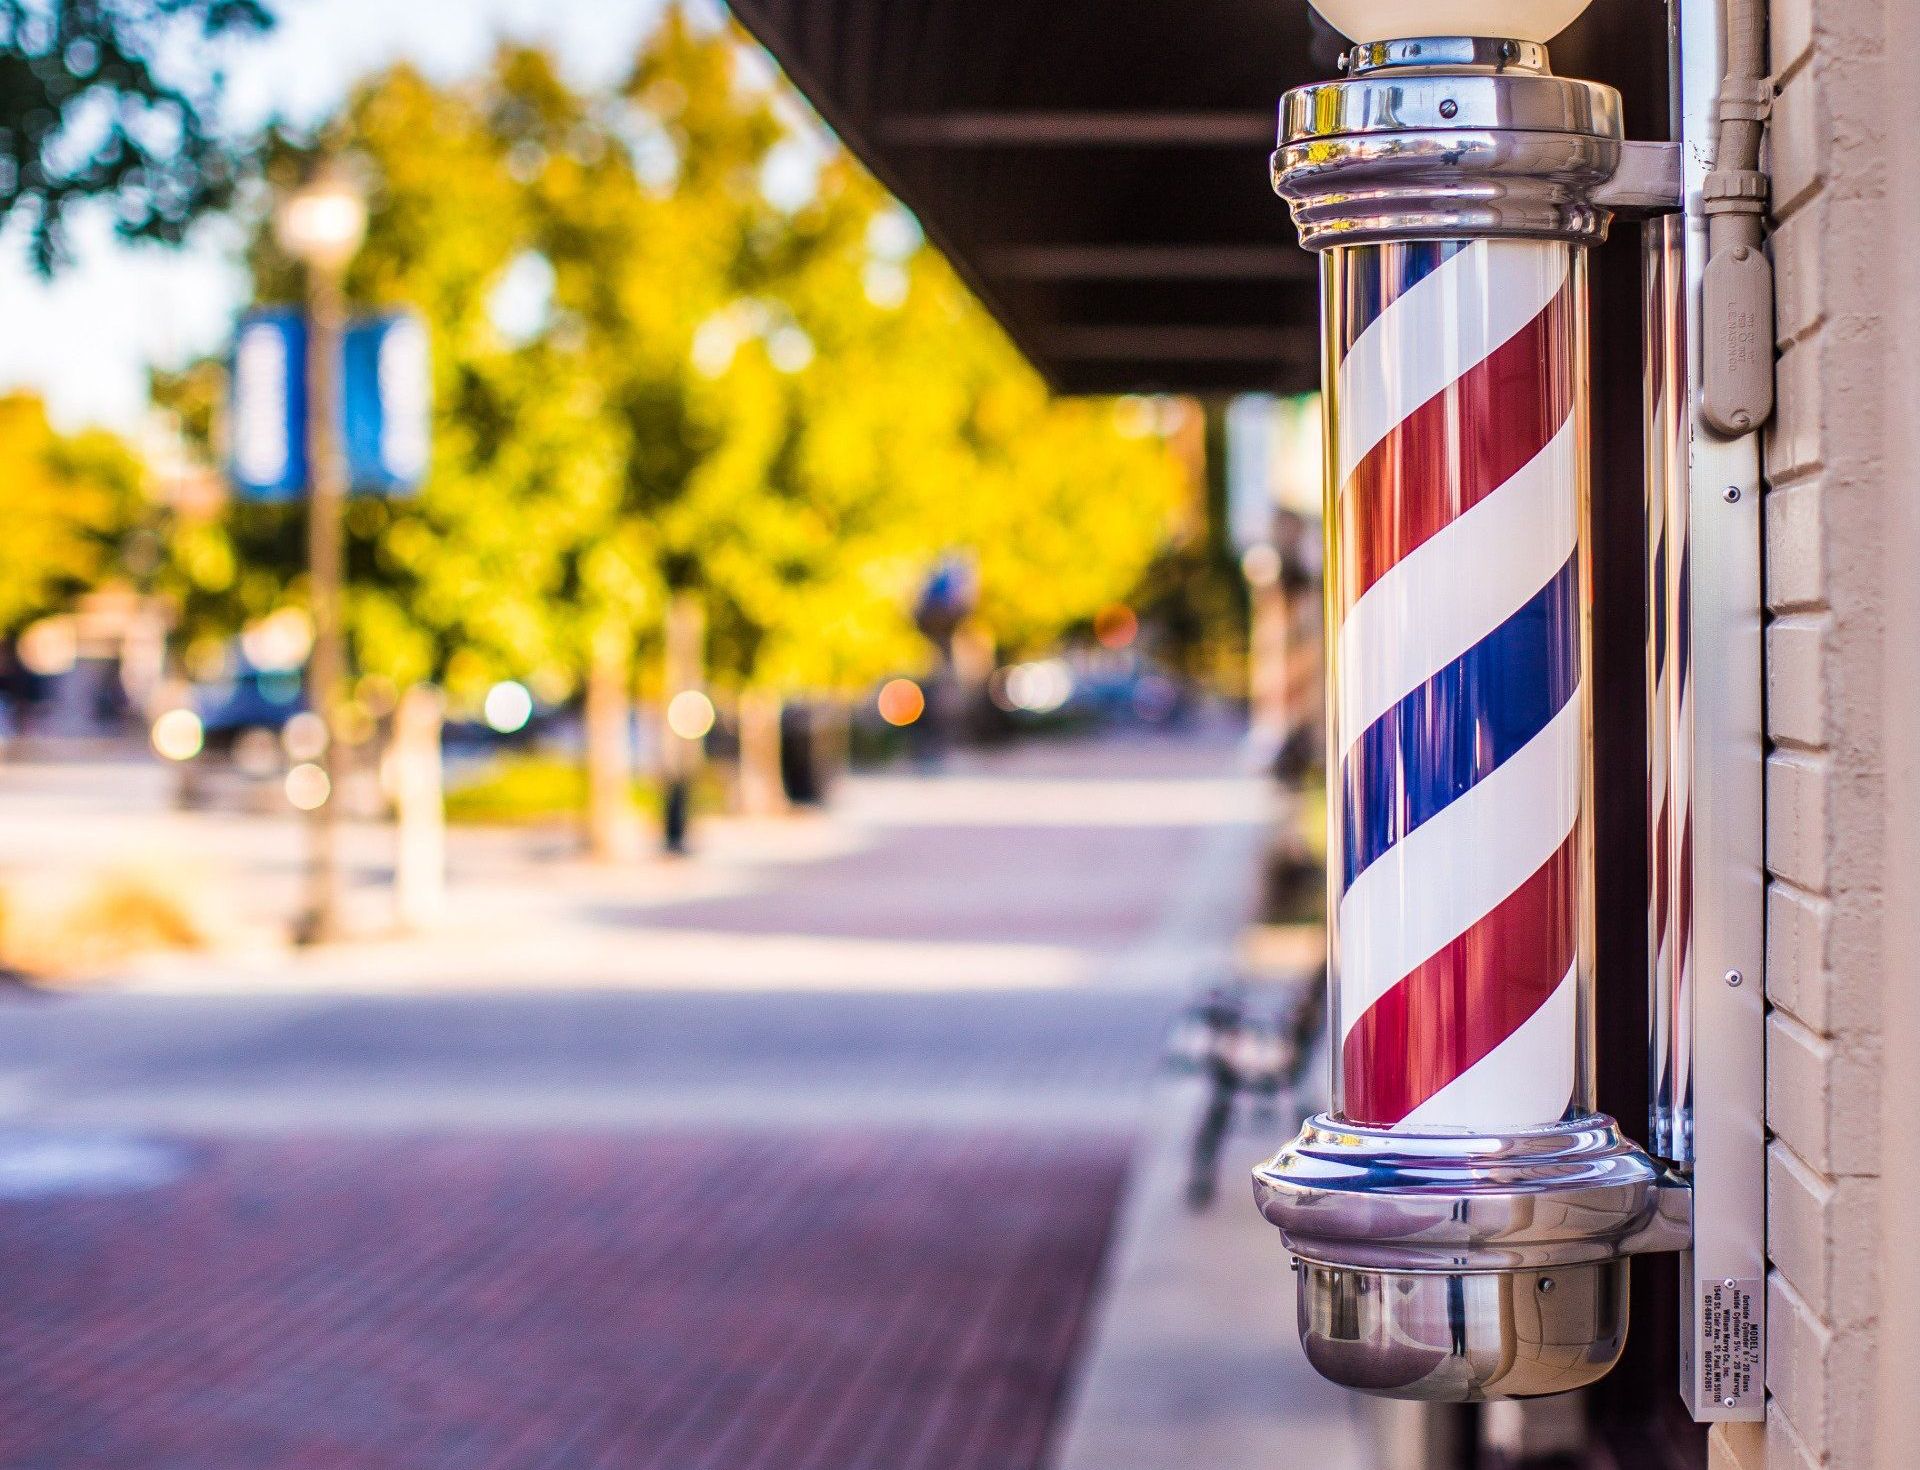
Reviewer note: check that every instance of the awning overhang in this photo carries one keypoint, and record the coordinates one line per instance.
(1097, 169)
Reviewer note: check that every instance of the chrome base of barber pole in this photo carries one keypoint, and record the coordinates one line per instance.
(1379, 1199)
(1463, 1268)
(1463, 1337)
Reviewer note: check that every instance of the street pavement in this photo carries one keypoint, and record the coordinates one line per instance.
(1003, 942)
(802, 1151)
(627, 1302)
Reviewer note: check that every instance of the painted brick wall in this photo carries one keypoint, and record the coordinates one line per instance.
(1825, 471)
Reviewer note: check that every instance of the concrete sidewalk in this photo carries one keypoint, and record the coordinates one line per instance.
(1116, 864)
(1193, 1362)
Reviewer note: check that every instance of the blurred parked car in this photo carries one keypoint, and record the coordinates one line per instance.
(1089, 687)
(239, 739)
(242, 718)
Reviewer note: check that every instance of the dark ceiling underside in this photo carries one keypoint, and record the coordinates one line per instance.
(1097, 169)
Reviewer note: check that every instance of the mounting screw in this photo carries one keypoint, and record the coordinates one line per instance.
(1546, 1284)
(1732, 492)
(1728, 1402)
(1449, 107)
(1735, 979)
(1740, 252)
(1729, 1283)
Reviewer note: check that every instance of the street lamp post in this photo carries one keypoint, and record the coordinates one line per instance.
(321, 225)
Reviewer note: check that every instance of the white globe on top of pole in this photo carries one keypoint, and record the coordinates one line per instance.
(1394, 20)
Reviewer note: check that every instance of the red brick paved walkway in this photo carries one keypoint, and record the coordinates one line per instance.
(651, 1303)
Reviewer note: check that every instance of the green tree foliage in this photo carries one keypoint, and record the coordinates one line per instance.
(791, 411)
(73, 503)
(1062, 503)
(478, 577)
(867, 418)
(87, 109)
(468, 580)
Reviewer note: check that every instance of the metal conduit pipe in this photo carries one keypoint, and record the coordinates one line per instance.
(1737, 292)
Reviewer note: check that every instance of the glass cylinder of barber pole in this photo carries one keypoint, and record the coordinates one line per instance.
(1461, 851)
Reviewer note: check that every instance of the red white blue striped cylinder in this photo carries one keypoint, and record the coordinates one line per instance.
(1461, 848)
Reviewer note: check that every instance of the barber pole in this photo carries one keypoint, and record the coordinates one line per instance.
(1457, 420)
(1462, 1217)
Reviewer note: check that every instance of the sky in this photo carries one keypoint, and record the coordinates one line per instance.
(84, 341)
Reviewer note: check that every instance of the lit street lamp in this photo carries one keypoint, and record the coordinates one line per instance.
(320, 225)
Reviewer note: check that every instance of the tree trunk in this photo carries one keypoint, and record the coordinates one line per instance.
(832, 744)
(612, 829)
(763, 791)
(680, 756)
(420, 863)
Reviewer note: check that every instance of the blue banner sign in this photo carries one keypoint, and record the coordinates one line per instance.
(386, 405)
(267, 438)
(389, 400)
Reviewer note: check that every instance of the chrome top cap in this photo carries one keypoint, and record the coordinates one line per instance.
(1447, 137)
(1453, 85)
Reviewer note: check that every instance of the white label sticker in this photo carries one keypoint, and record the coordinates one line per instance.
(1730, 1342)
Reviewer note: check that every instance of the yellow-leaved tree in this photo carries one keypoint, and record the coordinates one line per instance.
(784, 407)
(72, 501)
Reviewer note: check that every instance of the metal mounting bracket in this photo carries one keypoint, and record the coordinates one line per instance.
(1646, 181)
